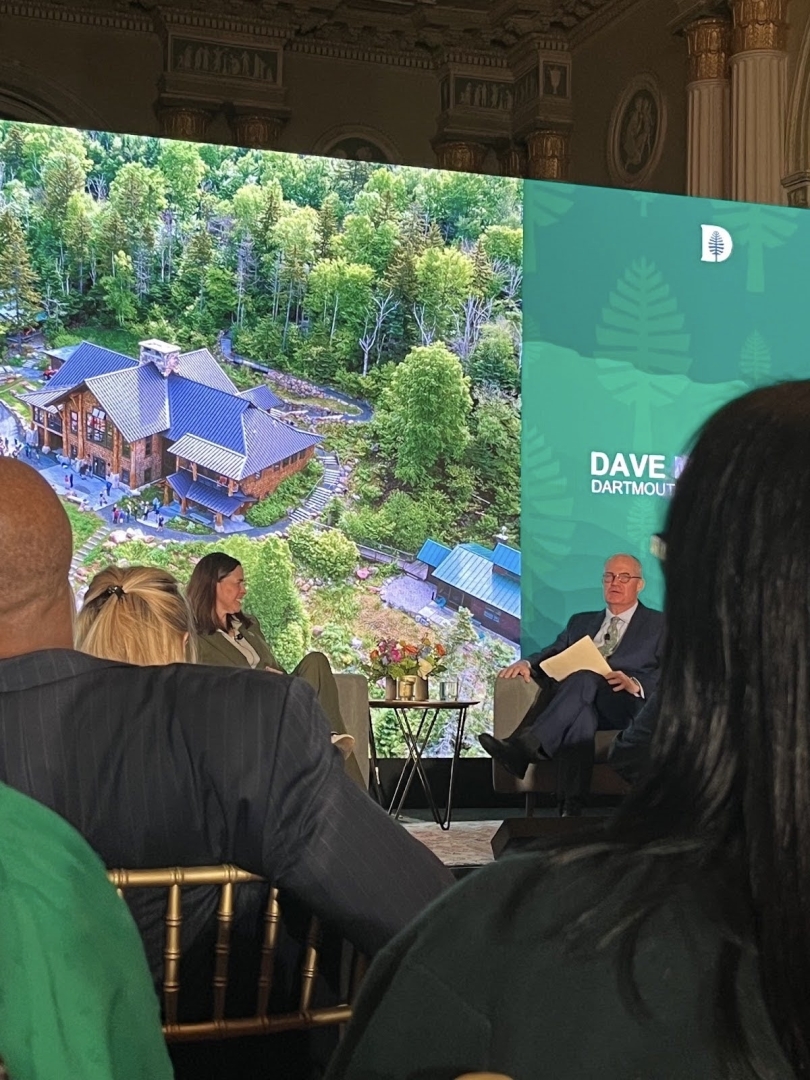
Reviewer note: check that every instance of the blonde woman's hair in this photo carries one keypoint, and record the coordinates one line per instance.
(138, 615)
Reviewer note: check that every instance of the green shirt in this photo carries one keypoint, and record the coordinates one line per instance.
(76, 998)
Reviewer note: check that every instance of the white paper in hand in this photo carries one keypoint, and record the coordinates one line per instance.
(583, 655)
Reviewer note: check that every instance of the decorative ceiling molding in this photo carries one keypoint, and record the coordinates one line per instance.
(110, 19)
(610, 12)
(404, 33)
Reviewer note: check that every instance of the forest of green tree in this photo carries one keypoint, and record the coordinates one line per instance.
(399, 286)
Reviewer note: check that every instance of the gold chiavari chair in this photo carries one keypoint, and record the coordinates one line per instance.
(228, 878)
(484, 1076)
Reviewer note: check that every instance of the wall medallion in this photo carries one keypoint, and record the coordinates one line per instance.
(637, 130)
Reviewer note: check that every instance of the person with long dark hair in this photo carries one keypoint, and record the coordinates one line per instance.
(228, 637)
(675, 941)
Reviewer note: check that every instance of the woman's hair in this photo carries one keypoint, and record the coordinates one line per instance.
(726, 800)
(136, 614)
(201, 592)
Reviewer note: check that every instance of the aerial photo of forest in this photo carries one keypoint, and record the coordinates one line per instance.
(382, 307)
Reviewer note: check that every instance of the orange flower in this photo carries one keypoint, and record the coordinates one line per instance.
(440, 650)
(411, 650)
(374, 654)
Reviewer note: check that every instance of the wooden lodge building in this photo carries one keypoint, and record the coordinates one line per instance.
(173, 417)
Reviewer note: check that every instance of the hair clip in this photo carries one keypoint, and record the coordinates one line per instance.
(114, 590)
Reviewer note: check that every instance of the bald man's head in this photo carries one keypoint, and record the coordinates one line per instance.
(36, 546)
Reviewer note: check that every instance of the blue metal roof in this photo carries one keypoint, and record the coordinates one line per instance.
(268, 440)
(479, 549)
(42, 399)
(210, 456)
(88, 360)
(262, 397)
(64, 353)
(474, 574)
(201, 367)
(207, 494)
(197, 409)
(508, 558)
(136, 400)
(432, 553)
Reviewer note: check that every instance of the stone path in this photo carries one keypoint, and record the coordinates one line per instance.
(80, 555)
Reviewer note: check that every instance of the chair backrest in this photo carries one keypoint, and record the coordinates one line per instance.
(484, 1076)
(260, 1022)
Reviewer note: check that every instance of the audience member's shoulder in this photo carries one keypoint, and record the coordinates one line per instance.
(533, 885)
(239, 690)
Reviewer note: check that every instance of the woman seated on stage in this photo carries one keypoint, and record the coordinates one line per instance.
(138, 615)
(227, 637)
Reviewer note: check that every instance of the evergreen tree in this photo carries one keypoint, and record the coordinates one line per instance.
(18, 288)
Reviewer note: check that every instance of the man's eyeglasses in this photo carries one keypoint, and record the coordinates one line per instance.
(608, 578)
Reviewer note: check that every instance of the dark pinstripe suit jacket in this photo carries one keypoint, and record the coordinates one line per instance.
(185, 765)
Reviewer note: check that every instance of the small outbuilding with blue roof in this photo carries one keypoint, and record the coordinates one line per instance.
(485, 581)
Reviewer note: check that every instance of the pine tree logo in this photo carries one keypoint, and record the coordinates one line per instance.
(717, 243)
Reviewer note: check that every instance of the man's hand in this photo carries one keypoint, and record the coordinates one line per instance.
(521, 669)
(619, 681)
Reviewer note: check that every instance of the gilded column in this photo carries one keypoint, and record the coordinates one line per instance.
(460, 156)
(758, 95)
(548, 155)
(183, 121)
(707, 92)
(512, 161)
(257, 130)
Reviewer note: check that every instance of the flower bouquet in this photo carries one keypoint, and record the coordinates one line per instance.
(392, 659)
(401, 661)
(432, 657)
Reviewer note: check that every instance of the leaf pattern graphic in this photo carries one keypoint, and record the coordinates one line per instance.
(544, 204)
(644, 199)
(643, 519)
(545, 514)
(757, 228)
(642, 323)
(755, 359)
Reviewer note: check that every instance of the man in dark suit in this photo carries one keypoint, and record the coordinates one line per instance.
(184, 764)
(564, 718)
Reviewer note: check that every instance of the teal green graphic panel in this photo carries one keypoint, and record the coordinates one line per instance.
(643, 313)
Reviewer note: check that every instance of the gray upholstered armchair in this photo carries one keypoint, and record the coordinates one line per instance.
(512, 700)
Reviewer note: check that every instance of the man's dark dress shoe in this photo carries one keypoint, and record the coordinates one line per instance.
(507, 755)
(571, 808)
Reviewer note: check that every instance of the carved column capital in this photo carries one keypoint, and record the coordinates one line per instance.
(797, 186)
(548, 153)
(256, 129)
(707, 43)
(512, 160)
(758, 24)
(460, 156)
(187, 122)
